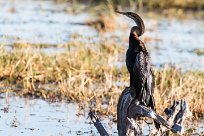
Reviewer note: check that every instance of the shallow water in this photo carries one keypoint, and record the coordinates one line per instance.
(37, 117)
(26, 116)
(171, 41)
(178, 40)
(39, 21)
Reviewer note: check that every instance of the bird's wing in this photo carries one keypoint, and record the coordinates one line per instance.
(151, 83)
(141, 67)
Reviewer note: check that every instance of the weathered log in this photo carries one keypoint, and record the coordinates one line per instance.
(180, 117)
(128, 107)
(140, 110)
(98, 124)
(123, 124)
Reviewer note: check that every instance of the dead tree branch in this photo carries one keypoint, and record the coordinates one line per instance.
(129, 109)
(98, 124)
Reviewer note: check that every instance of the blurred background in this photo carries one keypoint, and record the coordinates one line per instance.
(59, 58)
(176, 26)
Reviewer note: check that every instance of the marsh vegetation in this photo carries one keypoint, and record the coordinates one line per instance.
(86, 72)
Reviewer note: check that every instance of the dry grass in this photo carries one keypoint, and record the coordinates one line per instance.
(86, 73)
(198, 51)
(172, 84)
(104, 18)
(146, 4)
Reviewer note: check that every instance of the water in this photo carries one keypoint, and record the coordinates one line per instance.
(171, 41)
(178, 40)
(26, 116)
(38, 117)
(39, 21)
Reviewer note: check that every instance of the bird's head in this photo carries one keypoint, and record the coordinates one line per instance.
(140, 28)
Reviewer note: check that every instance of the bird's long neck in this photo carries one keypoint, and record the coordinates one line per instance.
(135, 44)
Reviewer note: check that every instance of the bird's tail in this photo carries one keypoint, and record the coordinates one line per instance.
(152, 105)
(144, 96)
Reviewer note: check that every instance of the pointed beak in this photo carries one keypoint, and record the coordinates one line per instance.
(123, 13)
(138, 20)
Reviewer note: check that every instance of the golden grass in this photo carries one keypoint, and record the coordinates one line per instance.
(146, 4)
(86, 73)
(172, 84)
(199, 52)
(104, 18)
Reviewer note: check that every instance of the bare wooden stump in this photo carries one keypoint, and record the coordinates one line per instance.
(129, 109)
(97, 124)
(124, 125)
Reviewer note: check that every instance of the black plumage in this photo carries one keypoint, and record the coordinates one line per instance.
(139, 66)
(138, 63)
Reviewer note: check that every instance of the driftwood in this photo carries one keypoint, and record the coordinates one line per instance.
(176, 115)
(130, 109)
(97, 124)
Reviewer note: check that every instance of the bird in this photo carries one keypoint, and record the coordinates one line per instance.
(138, 63)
